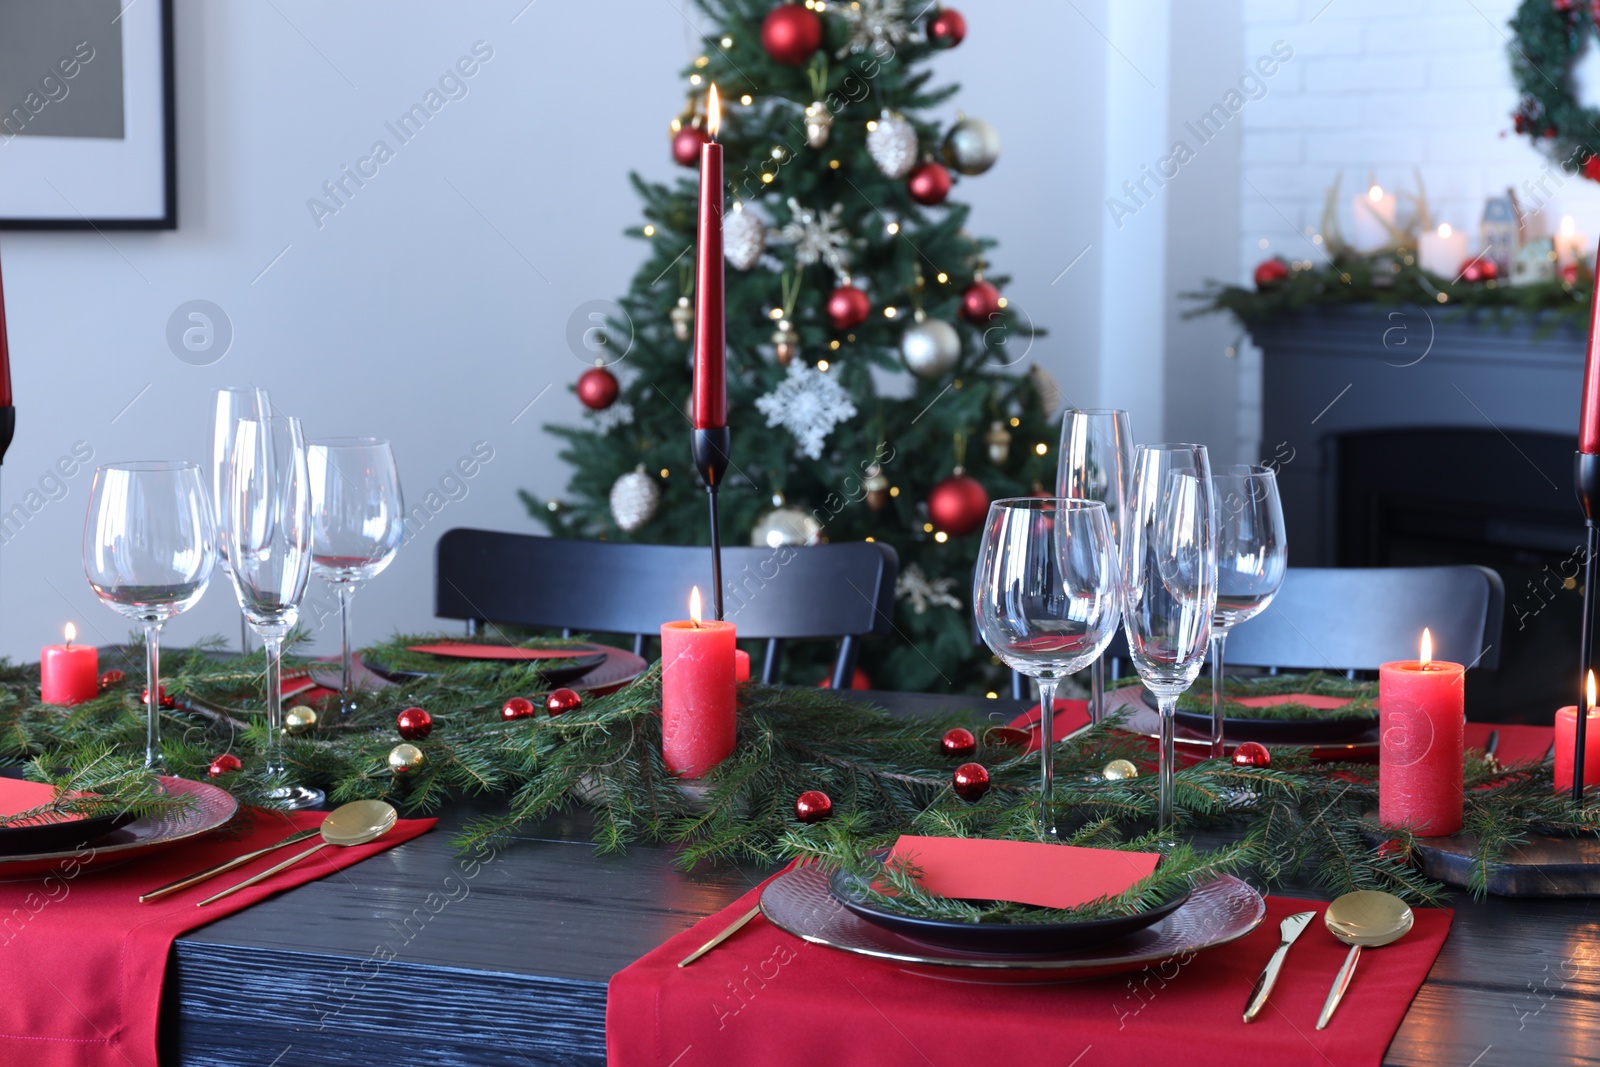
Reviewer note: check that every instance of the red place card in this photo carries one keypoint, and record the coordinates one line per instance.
(1027, 872)
(17, 796)
(462, 650)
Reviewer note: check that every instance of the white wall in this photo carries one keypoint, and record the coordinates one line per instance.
(432, 308)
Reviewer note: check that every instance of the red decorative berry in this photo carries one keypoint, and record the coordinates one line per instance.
(848, 307)
(1481, 269)
(518, 708)
(414, 724)
(947, 29)
(959, 743)
(958, 505)
(813, 806)
(597, 388)
(928, 184)
(161, 697)
(686, 145)
(226, 763)
(971, 781)
(980, 303)
(1393, 849)
(790, 33)
(111, 678)
(1270, 272)
(1252, 754)
(562, 700)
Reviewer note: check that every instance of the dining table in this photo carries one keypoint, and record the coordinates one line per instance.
(424, 954)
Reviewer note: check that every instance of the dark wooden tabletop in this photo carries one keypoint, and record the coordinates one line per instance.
(419, 956)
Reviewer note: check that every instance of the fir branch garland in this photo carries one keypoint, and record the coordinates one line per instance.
(1363, 697)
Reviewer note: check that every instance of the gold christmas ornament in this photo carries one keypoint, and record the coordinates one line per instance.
(299, 720)
(785, 525)
(785, 343)
(999, 441)
(819, 124)
(971, 146)
(876, 484)
(1119, 770)
(682, 318)
(405, 758)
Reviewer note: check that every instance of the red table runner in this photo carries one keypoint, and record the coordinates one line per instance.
(766, 997)
(82, 961)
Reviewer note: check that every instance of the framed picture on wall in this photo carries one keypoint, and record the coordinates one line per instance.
(86, 115)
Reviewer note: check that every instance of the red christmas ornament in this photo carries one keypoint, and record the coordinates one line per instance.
(790, 33)
(686, 145)
(226, 763)
(1252, 754)
(518, 708)
(813, 806)
(929, 184)
(947, 29)
(1393, 849)
(1478, 270)
(1590, 167)
(1569, 274)
(848, 307)
(562, 700)
(958, 504)
(970, 781)
(414, 724)
(111, 678)
(1270, 272)
(958, 742)
(161, 697)
(597, 388)
(980, 303)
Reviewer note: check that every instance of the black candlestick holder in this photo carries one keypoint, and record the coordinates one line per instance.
(1586, 476)
(710, 448)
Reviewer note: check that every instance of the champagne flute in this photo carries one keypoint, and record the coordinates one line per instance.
(1252, 555)
(149, 546)
(357, 524)
(229, 404)
(1169, 577)
(268, 530)
(1096, 458)
(1047, 601)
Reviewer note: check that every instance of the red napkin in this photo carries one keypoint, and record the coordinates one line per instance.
(1028, 872)
(766, 997)
(462, 650)
(82, 961)
(17, 795)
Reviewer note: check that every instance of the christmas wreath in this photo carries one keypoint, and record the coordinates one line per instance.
(1548, 37)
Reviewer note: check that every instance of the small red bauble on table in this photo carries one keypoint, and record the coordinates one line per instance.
(414, 724)
(1476, 271)
(1270, 272)
(980, 303)
(790, 33)
(958, 742)
(111, 678)
(970, 781)
(686, 145)
(958, 504)
(1252, 754)
(947, 28)
(597, 388)
(518, 708)
(848, 307)
(813, 806)
(161, 697)
(226, 763)
(928, 184)
(561, 701)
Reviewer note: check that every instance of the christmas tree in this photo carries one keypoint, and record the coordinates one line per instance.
(875, 384)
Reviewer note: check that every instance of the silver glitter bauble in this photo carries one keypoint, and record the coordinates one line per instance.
(682, 317)
(785, 526)
(971, 146)
(930, 348)
(744, 238)
(634, 499)
(819, 124)
(892, 143)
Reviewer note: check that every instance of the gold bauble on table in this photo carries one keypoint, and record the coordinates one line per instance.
(404, 758)
(299, 720)
(1119, 770)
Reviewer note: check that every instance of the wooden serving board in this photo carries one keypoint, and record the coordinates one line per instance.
(1544, 867)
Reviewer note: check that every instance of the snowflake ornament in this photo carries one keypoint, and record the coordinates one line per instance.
(817, 237)
(915, 586)
(608, 419)
(809, 404)
(876, 24)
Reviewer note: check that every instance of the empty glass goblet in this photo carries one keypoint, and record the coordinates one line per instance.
(1252, 555)
(229, 404)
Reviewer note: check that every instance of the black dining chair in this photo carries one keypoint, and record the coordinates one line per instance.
(837, 592)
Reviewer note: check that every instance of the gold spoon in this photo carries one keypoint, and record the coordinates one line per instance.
(355, 823)
(1366, 918)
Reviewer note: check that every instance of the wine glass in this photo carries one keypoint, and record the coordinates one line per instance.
(1096, 458)
(357, 523)
(228, 405)
(268, 530)
(149, 546)
(1252, 554)
(1169, 579)
(1046, 599)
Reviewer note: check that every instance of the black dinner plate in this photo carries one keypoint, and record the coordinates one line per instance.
(1012, 938)
(59, 836)
(1277, 731)
(560, 672)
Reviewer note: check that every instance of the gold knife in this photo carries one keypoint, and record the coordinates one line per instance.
(728, 931)
(1290, 928)
(223, 868)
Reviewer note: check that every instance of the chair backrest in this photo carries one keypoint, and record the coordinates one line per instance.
(1356, 618)
(841, 591)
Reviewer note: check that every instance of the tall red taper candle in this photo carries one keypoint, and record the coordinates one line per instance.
(1420, 744)
(710, 359)
(1589, 416)
(5, 354)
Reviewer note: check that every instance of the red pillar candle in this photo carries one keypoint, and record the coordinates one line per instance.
(710, 358)
(69, 674)
(1421, 705)
(698, 692)
(1567, 743)
(1589, 415)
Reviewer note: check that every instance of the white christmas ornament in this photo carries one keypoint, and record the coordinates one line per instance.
(914, 585)
(876, 24)
(892, 144)
(809, 404)
(930, 348)
(971, 146)
(634, 499)
(817, 237)
(744, 237)
(618, 414)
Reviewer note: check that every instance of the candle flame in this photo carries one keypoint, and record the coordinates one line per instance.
(713, 112)
(694, 605)
(72, 635)
(1427, 647)
(1445, 230)
(1592, 700)
(1569, 226)
(1375, 194)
